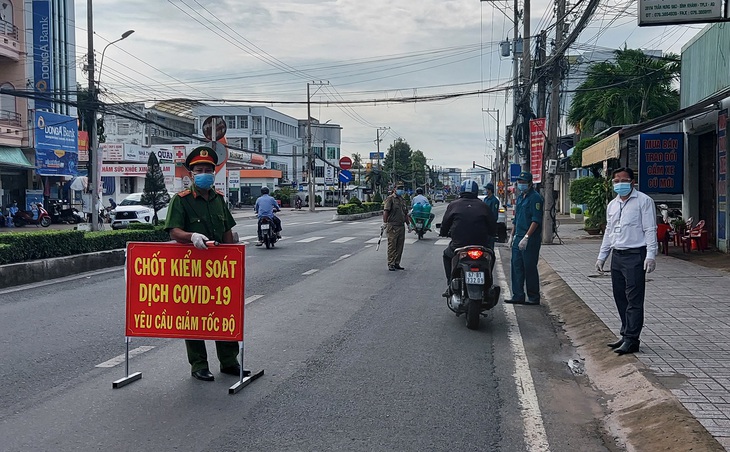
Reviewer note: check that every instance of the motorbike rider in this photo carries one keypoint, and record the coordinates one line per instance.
(422, 200)
(469, 221)
(265, 207)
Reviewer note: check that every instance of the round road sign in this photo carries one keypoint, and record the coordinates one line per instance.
(345, 163)
(220, 127)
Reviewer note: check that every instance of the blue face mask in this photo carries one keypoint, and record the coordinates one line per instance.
(399, 192)
(204, 180)
(522, 187)
(622, 188)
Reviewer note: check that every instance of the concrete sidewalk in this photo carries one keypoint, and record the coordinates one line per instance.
(687, 323)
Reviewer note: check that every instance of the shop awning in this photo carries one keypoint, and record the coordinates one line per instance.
(607, 148)
(13, 157)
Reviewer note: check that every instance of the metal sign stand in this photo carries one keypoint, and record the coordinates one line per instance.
(243, 382)
(129, 378)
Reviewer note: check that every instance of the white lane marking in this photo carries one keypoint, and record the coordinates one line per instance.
(344, 256)
(535, 436)
(375, 240)
(120, 359)
(309, 239)
(251, 299)
(314, 222)
(334, 222)
(442, 242)
(292, 224)
(310, 272)
(248, 237)
(409, 241)
(343, 239)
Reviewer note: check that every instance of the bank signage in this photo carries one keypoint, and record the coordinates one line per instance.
(42, 55)
(56, 144)
(661, 162)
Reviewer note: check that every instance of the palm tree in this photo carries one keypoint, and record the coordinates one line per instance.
(634, 88)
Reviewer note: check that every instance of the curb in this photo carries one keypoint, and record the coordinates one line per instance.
(58, 267)
(357, 216)
(642, 413)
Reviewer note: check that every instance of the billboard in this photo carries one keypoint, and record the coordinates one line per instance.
(673, 12)
(56, 144)
(661, 162)
(42, 54)
(537, 146)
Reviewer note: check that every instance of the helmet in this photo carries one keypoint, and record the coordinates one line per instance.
(469, 189)
(419, 191)
(264, 190)
(490, 187)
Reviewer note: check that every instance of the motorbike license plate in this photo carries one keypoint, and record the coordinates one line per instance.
(474, 277)
(264, 227)
(419, 223)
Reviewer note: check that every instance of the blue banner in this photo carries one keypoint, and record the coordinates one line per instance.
(661, 162)
(514, 170)
(56, 144)
(42, 54)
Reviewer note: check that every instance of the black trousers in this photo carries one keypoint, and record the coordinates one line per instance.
(628, 280)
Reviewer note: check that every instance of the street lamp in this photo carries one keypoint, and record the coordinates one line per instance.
(94, 153)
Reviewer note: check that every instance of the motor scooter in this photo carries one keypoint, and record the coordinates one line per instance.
(40, 218)
(298, 203)
(267, 231)
(472, 290)
(421, 219)
(60, 214)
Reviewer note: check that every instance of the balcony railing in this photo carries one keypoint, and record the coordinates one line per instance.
(10, 117)
(8, 29)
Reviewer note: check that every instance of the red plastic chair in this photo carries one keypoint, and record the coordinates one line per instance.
(696, 236)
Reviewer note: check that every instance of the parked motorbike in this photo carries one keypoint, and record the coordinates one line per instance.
(42, 218)
(298, 203)
(267, 231)
(421, 219)
(60, 214)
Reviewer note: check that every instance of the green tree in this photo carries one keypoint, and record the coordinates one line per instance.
(155, 192)
(634, 88)
(397, 162)
(418, 165)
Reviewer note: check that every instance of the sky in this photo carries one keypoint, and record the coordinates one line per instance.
(374, 52)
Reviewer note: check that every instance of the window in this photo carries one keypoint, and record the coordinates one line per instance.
(230, 122)
(331, 153)
(127, 184)
(319, 171)
(243, 122)
(7, 103)
(317, 151)
(274, 147)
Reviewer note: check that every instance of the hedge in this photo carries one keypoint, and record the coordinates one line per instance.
(351, 209)
(580, 189)
(27, 246)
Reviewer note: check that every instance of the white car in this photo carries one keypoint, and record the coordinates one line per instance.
(131, 210)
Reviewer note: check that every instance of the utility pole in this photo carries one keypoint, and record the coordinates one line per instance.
(94, 157)
(310, 156)
(541, 85)
(548, 219)
(515, 90)
(496, 172)
(377, 142)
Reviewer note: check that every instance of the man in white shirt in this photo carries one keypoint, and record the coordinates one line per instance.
(419, 198)
(631, 239)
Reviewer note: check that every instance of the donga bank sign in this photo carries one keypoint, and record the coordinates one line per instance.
(56, 144)
(42, 53)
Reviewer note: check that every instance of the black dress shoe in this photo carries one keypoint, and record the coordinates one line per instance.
(627, 347)
(203, 375)
(616, 344)
(398, 267)
(235, 370)
(513, 301)
(391, 268)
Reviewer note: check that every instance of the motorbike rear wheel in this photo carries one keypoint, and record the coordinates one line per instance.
(473, 312)
(45, 222)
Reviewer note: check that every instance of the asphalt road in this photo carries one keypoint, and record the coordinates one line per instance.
(356, 358)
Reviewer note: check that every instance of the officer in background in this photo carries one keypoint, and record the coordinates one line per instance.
(525, 242)
(395, 218)
(197, 216)
(493, 204)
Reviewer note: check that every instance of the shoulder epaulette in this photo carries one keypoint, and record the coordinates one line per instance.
(183, 193)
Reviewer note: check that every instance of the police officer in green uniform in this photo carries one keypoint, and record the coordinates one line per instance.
(197, 216)
(525, 243)
(493, 203)
(395, 217)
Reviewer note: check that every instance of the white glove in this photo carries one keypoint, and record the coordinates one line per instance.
(599, 265)
(509, 242)
(649, 265)
(523, 243)
(199, 241)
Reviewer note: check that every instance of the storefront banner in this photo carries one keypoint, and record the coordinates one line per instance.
(661, 163)
(179, 291)
(42, 54)
(537, 147)
(134, 169)
(722, 174)
(234, 180)
(112, 152)
(56, 144)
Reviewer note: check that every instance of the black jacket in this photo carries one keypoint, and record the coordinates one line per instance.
(470, 222)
